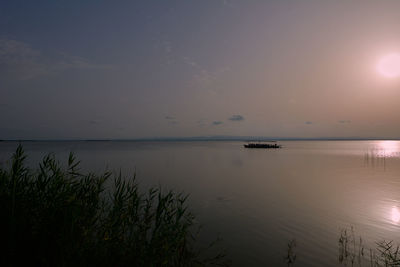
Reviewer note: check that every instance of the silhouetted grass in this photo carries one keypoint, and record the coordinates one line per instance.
(352, 251)
(56, 216)
(291, 254)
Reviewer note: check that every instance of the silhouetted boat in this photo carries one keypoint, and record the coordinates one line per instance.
(262, 145)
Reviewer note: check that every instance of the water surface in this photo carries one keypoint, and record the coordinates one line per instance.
(257, 200)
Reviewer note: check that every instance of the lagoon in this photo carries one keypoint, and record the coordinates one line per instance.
(257, 200)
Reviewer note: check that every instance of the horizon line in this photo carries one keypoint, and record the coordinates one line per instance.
(201, 138)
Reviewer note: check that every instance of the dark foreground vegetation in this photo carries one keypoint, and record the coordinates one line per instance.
(56, 216)
(353, 252)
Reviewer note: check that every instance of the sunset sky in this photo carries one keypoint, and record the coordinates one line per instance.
(143, 69)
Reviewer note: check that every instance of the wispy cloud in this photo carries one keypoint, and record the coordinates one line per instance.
(202, 76)
(94, 122)
(217, 122)
(308, 122)
(236, 118)
(201, 123)
(21, 61)
(344, 121)
(171, 120)
(227, 3)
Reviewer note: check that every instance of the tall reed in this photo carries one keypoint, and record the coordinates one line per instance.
(352, 251)
(56, 216)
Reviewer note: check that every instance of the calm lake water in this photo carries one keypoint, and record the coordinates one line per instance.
(258, 200)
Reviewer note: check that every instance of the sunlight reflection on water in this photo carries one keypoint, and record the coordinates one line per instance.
(387, 148)
(395, 215)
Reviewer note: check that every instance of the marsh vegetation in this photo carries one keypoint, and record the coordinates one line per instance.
(56, 216)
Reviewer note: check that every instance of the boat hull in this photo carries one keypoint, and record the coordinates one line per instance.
(262, 146)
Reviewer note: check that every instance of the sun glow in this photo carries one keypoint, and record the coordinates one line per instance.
(389, 65)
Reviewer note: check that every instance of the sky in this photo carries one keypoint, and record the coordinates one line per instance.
(143, 69)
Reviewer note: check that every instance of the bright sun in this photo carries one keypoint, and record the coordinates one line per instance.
(389, 65)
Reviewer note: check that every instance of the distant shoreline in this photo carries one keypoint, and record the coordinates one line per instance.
(200, 139)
